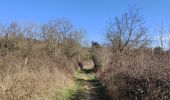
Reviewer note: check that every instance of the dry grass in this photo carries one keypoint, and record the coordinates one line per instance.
(37, 80)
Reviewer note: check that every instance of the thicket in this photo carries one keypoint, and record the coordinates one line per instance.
(36, 61)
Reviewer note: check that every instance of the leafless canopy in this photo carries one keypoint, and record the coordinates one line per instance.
(127, 31)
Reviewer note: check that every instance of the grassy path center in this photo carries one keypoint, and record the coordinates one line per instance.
(89, 87)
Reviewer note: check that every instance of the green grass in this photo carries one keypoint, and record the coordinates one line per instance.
(67, 92)
(82, 75)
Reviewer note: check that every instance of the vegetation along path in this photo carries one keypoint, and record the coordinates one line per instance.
(89, 87)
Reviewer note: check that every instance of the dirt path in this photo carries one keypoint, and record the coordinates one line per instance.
(92, 89)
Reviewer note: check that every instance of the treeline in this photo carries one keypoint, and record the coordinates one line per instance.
(37, 61)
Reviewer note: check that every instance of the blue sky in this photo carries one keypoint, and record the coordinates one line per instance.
(92, 15)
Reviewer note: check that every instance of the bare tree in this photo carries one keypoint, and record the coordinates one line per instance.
(127, 32)
(54, 33)
(2, 30)
(57, 29)
(169, 39)
(14, 29)
(9, 35)
(30, 30)
(161, 32)
(61, 37)
(64, 28)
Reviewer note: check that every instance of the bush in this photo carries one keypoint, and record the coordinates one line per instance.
(141, 77)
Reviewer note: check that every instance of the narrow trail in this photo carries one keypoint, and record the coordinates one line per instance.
(92, 89)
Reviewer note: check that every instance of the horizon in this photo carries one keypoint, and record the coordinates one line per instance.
(91, 16)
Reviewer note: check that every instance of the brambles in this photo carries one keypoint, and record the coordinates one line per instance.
(142, 76)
